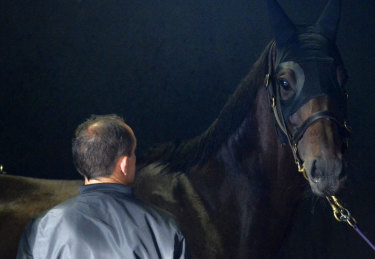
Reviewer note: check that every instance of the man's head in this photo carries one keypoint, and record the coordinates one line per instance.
(103, 144)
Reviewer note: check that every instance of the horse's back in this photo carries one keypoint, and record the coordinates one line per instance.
(23, 198)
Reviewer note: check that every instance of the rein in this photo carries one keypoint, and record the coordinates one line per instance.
(340, 213)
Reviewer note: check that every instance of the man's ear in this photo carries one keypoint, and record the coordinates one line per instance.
(123, 165)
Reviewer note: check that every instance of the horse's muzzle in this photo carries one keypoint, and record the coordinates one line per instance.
(326, 176)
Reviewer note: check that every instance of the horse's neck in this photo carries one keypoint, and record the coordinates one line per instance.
(274, 156)
(256, 138)
(283, 186)
(276, 160)
(252, 174)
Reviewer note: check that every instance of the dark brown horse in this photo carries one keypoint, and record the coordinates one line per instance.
(234, 189)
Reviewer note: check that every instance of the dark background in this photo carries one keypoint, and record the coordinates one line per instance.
(167, 67)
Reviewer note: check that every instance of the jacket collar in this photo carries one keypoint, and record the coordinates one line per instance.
(105, 187)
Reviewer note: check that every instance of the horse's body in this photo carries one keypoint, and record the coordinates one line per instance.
(23, 198)
(234, 189)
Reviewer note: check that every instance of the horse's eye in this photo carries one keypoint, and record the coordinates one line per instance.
(284, 84)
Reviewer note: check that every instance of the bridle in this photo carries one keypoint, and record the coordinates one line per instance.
(283, 132)
(340, 213)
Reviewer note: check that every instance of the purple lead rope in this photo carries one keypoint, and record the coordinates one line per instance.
(356, 228)
(343, 215)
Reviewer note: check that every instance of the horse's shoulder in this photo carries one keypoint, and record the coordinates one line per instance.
(154, 184)
(174, 192)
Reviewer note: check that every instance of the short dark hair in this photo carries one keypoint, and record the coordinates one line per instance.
(98, 144)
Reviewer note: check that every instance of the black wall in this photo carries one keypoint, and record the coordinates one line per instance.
(167, 67)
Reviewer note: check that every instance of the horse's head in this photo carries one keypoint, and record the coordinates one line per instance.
(309, 100)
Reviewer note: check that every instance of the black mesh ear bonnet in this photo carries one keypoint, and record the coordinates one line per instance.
(314, 60)
(311, 53)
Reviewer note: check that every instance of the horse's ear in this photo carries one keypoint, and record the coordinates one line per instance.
(328, 21)
(283, 28)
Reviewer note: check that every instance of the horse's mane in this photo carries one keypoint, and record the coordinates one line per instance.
(180, 155)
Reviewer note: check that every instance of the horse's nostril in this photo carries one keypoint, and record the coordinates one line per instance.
(315, 173)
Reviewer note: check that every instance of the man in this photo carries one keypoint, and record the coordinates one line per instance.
(104, 220)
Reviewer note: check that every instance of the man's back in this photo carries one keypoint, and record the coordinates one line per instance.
(103, 221)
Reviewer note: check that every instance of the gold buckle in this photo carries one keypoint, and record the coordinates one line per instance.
(267, 79)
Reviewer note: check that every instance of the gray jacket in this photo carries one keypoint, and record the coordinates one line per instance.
(103, 221)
